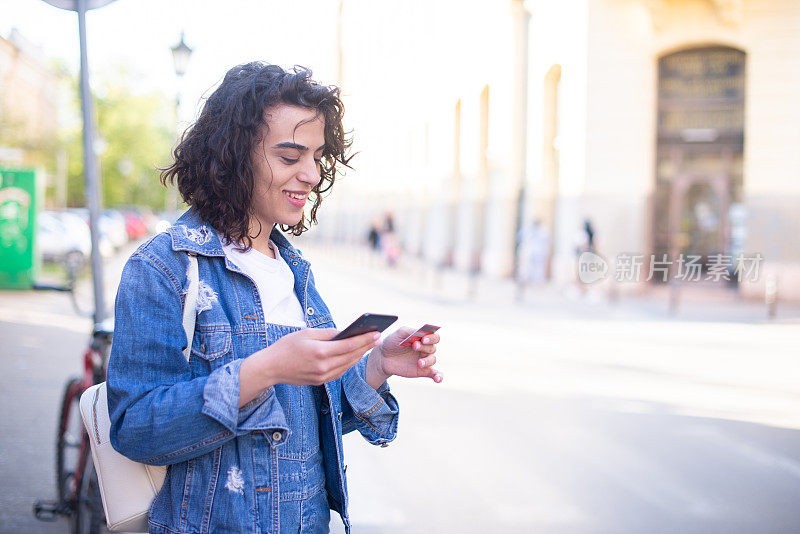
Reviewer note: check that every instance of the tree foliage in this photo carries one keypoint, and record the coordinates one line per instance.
(136, 132)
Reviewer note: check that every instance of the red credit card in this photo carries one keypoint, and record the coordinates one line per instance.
(423, 331)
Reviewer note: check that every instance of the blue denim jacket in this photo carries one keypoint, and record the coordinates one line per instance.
(230, 469)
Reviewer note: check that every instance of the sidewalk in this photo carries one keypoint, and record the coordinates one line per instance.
(448, 286)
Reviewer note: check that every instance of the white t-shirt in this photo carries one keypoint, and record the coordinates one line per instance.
(274, 281)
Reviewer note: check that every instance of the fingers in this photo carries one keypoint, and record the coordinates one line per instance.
(426, 362)
(349, 358)
(338, 365)
(331, 359)
(322, 334)
(425, 349)
(347, 352)
(426, 344)
(431, 339)
(404, 331)
(350, 344)
(430, 372)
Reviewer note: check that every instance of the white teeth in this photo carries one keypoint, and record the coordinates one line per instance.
(294, 195)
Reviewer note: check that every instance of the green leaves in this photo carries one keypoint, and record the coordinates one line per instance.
(136, 131)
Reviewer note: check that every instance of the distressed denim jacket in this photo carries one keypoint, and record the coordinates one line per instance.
(230, 469)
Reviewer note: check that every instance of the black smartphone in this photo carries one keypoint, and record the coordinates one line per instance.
(369, 322)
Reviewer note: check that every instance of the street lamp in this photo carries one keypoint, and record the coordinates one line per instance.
(180, 58)
(90, 167)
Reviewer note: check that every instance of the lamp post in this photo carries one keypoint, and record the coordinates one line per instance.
(181, 53)
(180, 57)
(90, 168)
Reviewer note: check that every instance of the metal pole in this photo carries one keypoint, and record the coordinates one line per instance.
(172, 190)
(90, 171)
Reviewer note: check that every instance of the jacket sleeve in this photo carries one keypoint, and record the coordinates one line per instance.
(159, 414)
(374, 413)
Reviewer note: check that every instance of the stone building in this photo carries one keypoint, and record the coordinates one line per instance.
(673, 127)
(29, 99)
(670, 124)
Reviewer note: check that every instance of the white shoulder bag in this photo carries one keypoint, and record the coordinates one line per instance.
(127, 487)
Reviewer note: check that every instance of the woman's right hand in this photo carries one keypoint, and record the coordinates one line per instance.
(305, 357)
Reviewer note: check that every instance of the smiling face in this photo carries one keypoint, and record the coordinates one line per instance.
(286, 166)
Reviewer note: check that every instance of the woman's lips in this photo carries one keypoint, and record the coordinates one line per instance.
(296, 199)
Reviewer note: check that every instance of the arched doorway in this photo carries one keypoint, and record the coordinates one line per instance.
(700, 141)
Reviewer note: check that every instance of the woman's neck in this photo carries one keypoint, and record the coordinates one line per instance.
(263, 247)
(259, 235)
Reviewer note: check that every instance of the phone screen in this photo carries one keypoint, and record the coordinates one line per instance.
(369, 322)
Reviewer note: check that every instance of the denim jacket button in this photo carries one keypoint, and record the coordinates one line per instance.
(294, 263)
(276, 436)
(310, 310)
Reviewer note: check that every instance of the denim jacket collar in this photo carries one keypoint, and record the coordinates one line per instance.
(190, 233)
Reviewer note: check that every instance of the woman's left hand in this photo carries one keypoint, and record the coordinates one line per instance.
(390, 358)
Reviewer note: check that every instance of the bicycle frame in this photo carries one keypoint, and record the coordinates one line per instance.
(94, 372)
(95, 358)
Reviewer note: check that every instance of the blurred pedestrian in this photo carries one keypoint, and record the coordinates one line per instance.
(388, 241)
(374, 236)
(584, 239)
(251, 426)
(534, 250)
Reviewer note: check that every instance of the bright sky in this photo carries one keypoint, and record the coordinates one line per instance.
(139, 34)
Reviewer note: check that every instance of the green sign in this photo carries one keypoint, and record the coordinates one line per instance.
(19, 263)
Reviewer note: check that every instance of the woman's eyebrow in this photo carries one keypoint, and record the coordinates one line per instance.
(296, 146)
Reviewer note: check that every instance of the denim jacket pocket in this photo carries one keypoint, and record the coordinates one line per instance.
(317, 313)
(212, 346)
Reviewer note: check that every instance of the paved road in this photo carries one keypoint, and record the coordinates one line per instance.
(558, 416)
(41, 346)
(553, 417)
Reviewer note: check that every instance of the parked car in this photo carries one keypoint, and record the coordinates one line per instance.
(134, 225)
(63, 237)
(142, 213)
(112, 223)
(106, 245)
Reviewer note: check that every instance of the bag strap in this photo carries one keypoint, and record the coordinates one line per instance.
(190, 304)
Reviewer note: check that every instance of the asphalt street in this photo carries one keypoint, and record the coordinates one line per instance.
(555, 416)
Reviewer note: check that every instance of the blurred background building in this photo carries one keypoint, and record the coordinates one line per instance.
(669, 124)
(31, 102)
(28, 89)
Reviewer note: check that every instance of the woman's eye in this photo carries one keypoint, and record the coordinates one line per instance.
(289, 161)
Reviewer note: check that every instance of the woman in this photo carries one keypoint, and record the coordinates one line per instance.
(251, 427)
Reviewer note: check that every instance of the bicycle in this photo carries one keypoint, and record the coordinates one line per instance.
(77, 492)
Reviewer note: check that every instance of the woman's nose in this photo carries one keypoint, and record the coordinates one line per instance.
(310, 173)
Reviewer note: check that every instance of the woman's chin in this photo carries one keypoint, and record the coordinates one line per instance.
(291, 221)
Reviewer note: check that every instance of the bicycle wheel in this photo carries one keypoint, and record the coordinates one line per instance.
(68, 442)
(87, 515)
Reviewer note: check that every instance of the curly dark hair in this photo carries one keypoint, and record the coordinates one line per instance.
(212, 165)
